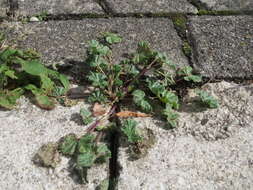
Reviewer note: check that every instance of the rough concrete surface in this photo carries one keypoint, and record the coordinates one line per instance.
(184, 161)
(54, 7)
(223, 46)
(234, 5)
(3, 8)
(64, 41)
(151, 6)
(22, 132)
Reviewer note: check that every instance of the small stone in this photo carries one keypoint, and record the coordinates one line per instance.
(34, 19)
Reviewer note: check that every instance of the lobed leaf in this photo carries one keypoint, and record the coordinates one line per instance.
(207, 99)
(86, 116)
(86, 160)
(129, 129)
(68, 144)
(112, 38)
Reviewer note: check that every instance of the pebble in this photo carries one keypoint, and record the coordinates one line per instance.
(34, 19)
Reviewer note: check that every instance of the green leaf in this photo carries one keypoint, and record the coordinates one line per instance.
(129, 129)
(168, 97)
(104, 185)
(103, 150)
(172, 116)
(112, 38)
(207, 99)
(58, 91)
(86, 159)
(5, 56)
(97, 96)
(33, 67)
(185, 71)
(155, 87)
(138, 94)
(68, 144)
(44, 102)
(98, 60)
(132, 70)
(98, 80)
(86, 116)
(35, 90)
(95, 48)
(139, 100)
(193, 78)
(47, 85)
(8, 98)
(145, 106)
(65, 82)
(11, 74)
(86, 143)
(103, 153)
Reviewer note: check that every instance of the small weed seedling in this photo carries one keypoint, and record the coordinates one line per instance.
(22, 71)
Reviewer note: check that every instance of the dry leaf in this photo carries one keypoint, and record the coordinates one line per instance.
(98, 110)
(132, 114)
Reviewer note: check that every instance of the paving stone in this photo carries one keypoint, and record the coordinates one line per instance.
(151, 6)
(23, 131)
(235, 5)
(67, 41)
(55, 7)
(184, 158)
(3, 8)
(223, 46)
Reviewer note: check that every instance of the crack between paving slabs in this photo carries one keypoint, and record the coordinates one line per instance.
(106, 7)
(114, 147)
(13, 7)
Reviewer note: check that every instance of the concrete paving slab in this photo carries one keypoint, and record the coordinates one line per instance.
(181, 159)
(55, 7)
(151, 6)
(62, 41)
(234, 5)
(223, 46)
(3, 8)
(22, 132)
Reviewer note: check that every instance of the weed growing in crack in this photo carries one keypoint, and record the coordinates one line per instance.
(145, 79)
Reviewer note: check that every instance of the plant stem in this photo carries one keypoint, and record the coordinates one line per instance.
(93, 126)
(143, 71)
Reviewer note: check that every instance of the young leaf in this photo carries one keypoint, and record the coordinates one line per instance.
(155, 87)
(86, 159)
(65, 82)
(58, 91)
(138, 98)
(97, 96)
(68, 144)
(207, 99)
(112, 38)
(168, 97)
(185, 71)
(33, 67)
(129, 129)
(193, 78)
(103, 153)
(98, 80)
(86, 143)
(86, 116)
(96, 48)
(172, 116)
